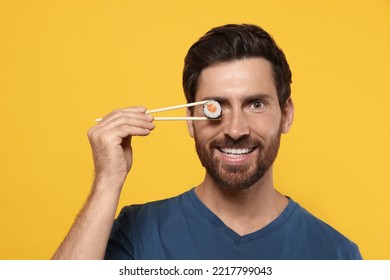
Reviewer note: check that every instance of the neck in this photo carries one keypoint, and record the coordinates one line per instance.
(244, 211)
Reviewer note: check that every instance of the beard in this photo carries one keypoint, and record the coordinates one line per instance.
(238, 177)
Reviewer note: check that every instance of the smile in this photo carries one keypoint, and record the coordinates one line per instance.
(236, 152)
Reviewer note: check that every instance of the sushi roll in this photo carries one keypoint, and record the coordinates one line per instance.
(212, 109)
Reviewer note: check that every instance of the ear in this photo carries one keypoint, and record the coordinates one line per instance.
(190, 123)
(287, 115)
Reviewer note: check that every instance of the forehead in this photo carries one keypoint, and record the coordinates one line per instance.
(236, 79)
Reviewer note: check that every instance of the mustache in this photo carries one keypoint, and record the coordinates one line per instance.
(244, 141)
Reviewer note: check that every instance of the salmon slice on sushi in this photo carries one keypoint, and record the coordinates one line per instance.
(212, 109)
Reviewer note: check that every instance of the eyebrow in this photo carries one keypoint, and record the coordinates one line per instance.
(247, 98)
(263, 96)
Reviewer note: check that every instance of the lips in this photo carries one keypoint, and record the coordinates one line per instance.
(236, 152)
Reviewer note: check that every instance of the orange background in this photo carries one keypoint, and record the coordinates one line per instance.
(65, 63)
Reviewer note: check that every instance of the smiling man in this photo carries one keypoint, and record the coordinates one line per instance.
(238, 152)
(235, 212)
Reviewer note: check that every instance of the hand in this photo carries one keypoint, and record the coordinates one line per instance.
(111, 143)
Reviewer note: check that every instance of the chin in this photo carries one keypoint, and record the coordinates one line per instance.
(237, 181)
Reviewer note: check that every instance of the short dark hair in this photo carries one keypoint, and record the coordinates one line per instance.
(235, 41)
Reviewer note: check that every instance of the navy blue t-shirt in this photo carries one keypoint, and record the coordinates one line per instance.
(184, 228)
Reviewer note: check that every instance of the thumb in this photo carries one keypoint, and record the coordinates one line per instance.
(128, 152)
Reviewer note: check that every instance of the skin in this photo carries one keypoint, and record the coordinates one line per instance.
(113, 157)
(250, 108)
(243, 210)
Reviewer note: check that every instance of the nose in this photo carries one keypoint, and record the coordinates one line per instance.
(236, 124)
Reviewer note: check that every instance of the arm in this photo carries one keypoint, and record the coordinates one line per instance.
(113, 157)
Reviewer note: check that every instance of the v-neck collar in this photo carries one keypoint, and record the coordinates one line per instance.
(220, 226)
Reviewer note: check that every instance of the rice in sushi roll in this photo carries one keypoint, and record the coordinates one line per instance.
(212, 109)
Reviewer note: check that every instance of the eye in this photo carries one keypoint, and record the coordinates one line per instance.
(257, 104)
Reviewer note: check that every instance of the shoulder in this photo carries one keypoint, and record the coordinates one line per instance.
(317, 225)
(155, 209)
(321, 235)
(140, 224)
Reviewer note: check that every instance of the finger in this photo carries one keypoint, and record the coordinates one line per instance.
(126, 131)
(124, 122)
(116, 135)
(118, 112)
(130, 119)
(128, 151)
(126, 117)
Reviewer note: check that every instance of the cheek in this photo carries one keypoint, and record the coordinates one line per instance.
(266, 128)
(204, 131)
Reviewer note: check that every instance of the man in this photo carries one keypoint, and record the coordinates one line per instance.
(235, 213)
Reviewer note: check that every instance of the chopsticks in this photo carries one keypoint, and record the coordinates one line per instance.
(173, 108)
(177, 107)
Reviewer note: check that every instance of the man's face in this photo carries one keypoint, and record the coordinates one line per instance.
(239, 150)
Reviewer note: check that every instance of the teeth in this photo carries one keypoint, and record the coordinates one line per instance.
(236, 151)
